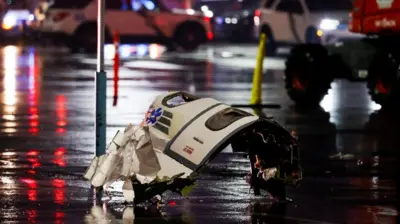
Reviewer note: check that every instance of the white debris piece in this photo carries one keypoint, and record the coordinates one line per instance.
(132, 154)
(269, 173)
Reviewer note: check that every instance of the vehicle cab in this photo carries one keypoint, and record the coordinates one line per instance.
(303, 21)
(135, 21)
(375, 17)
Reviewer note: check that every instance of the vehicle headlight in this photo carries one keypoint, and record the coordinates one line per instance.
(209, 13)
(232, 20)
(329, 24)
(9, 22)
(31, 17)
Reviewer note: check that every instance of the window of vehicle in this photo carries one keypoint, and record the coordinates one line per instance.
(329, 5)
(70, 4)
(178, 99)
(225, 118)
(148, 4)
(117, 4)
(268, 3)
(291, 6)
(250, 4)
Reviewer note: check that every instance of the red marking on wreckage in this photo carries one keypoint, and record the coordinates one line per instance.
(188, 150)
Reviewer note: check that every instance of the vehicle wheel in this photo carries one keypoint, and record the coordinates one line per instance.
(307, 78)
(85, 38)
(72, 45)
(190, 36)
(271, 46)
(384, 78)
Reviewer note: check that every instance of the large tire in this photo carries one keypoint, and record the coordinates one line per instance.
(384, 78)
(307, 78)
(189, 36)
(85, 38)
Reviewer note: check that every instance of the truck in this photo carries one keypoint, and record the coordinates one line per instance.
(374, 57)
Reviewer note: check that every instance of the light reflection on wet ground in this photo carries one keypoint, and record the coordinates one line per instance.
(349, 150)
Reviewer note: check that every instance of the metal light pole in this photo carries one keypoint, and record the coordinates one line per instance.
(101, 83)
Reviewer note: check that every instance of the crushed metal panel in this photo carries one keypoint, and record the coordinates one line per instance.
(187, 150)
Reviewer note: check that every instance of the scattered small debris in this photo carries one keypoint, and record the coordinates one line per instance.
(341, 156)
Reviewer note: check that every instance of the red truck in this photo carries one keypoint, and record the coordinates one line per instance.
(375, 58)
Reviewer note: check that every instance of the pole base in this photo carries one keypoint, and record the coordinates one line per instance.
(101, 108)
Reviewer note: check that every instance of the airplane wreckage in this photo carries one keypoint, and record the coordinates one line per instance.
(180, 134)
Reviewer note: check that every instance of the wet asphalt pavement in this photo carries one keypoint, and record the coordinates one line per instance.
(349, 148)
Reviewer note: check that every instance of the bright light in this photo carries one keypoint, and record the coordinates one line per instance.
(10, 83)
(149, 5)
(329, 24)
(142, 49)
(209, 13)
(190, 11)
(204, 8)
(234, 21)
(155, 51)
(125, 51)
(330, 101)
(9, 117)
(227, 20)
(9, 22)
(31, 17)
(374, 106)
(256, 20)
(109, 51)
(226, 54)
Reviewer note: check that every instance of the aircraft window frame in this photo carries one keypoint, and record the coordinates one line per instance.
(181, 94)
(212, 120)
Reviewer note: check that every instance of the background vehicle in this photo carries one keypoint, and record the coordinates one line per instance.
(74, 22)
(310, 68)
(288, 22)
(237, 23)
(15, 17)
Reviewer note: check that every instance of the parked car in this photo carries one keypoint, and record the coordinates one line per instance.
(15, 15)
(237, 24)
(288, 22)
(75, 21)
